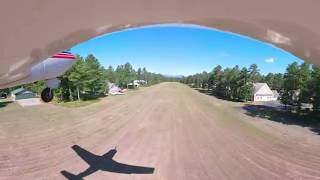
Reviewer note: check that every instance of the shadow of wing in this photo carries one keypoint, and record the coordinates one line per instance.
(70, 176)
(87, 156)
(128, 169)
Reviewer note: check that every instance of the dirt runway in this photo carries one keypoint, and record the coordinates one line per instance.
(168, 131)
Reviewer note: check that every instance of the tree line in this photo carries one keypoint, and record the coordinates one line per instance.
(88, 79)
(229, 83)
(299, 84)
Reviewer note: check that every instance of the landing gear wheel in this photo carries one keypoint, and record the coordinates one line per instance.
(47, 95)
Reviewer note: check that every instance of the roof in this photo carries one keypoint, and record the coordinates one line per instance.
(261, 89)
(16, 91)
(135, 83)
(21, 91)
(257, 87)
(140, 81)
(25, 92)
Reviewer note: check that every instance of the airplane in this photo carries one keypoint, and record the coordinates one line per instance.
(48, 69)
(104, 163)
(27, 37)
(115, 90)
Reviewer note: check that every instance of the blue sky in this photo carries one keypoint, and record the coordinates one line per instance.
(183, 50)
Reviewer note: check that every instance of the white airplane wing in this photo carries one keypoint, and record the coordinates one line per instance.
(11, 78)
(34, 30)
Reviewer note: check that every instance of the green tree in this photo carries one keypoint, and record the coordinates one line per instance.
(139, 74)
(78, 76)
(144, 74)
(254, 73)
(245, 85)
(125, 74)
(95, 75)
(315, 84)
(110, 74)
(290, 85)
(274, 81)
(64, 91)
(234, 85)
(215, 79)
(304, 84)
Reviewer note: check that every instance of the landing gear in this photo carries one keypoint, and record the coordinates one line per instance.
(47, 95)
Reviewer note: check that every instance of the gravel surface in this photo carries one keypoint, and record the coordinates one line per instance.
(168, 131)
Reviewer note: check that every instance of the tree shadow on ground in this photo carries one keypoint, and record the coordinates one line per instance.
(4, 103)
(209, 93)
(92, 96)
(104, 163)
(204, 91)
(277, 114)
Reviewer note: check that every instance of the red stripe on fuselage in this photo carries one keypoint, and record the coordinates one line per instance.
(64, 56)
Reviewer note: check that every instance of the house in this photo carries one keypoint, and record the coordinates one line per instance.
(22, 93)
(262, 92)
(136, 84)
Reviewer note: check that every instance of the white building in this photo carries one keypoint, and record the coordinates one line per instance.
(136, 84)
(262, 92)
(133, 85)
(141, 82)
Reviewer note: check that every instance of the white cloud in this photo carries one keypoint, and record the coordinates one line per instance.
(270, 60)
(224, 54)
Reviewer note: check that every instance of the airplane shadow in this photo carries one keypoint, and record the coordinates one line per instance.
(104, 163)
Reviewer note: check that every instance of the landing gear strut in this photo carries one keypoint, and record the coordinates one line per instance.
(47, 95)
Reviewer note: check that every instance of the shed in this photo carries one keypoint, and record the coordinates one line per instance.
(22, 93)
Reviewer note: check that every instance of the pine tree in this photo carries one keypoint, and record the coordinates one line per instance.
(215, 79)
(245, 85)
(254, 73)
(315, 83)
(304, 84)
(291, 85)
(110, 74)
(78, 76)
